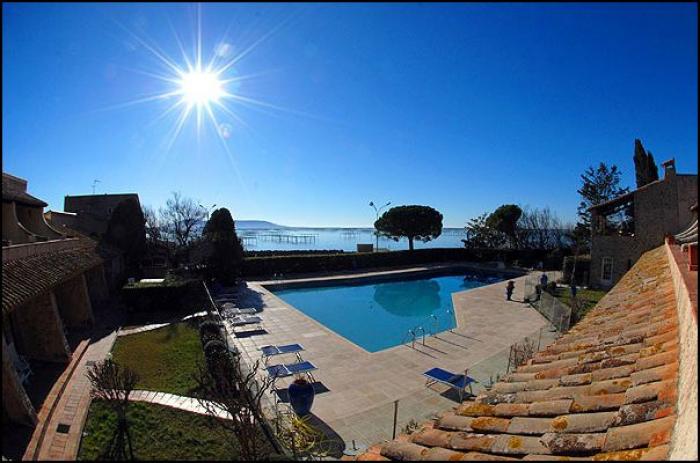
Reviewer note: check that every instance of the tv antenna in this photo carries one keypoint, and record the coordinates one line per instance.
(94, 183)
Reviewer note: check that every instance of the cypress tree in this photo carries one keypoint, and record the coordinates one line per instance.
(645, 168)
(226, 258)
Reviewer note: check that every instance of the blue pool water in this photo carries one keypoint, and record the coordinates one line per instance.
(377, 316)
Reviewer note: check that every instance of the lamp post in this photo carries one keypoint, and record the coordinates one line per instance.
(377, 211)
(207, 209)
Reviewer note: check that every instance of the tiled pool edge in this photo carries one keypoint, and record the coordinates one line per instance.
(322, 327)
(382, 275)
(359, 405)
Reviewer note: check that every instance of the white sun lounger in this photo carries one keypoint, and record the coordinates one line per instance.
(229, 310)
(245, 321)
(273, 350)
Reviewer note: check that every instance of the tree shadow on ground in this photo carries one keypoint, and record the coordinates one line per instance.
(250, 298)
(319, 388)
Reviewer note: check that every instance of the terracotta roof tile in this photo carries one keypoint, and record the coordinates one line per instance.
(518, 445)
(647, 433)
(26, 278)
(490, 424)
(550, 407)
(454, 422)
(474, 442)
(511, 410)
(583, 422)
(521, 425)
(606, 390)
(612, 373)
(476, 456)
(405, 451)
(568, 443)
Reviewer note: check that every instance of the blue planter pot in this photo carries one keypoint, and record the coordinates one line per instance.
(301, 397)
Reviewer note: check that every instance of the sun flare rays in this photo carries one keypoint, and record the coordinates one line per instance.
(194, 88)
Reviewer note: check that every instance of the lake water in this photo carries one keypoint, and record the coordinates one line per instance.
(345, 239)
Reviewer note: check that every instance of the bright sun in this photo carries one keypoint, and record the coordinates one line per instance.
(200, 88)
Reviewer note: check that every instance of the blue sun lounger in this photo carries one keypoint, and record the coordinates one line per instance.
(288, 369)
(271, 351)
(455, 381)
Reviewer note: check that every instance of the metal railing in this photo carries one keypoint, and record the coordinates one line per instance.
(413, 333)
(555, 311)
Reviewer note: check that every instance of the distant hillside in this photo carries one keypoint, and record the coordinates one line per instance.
(246, 224)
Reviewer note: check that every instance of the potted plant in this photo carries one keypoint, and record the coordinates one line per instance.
(301, 396)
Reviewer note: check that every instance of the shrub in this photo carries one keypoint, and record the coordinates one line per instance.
(209, 330)
(214, 348)
(551, 288)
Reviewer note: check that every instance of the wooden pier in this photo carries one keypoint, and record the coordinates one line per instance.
(304, 238)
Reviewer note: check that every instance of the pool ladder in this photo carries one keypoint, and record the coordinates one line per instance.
(412, 335)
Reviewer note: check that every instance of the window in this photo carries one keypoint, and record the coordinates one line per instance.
(606, 271)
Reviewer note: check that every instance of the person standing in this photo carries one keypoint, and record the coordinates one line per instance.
(543, 281)
(572, 288)
(509, 290)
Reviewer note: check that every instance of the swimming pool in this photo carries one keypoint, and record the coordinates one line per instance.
(377, 315)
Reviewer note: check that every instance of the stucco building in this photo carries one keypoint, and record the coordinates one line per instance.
(655, 210)
(51, 281)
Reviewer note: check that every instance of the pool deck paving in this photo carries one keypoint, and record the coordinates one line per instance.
(357, 390)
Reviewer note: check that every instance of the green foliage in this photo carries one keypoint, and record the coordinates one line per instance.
(481, 236)
(226, 254)
(645, 168)
(126, 231)
(158, 433)
(598, 185)
(165, 359)
(214, 348)
(586, 299)
(209, 330)
(505, 220)
(413, 222)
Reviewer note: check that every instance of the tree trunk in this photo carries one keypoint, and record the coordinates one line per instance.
(410, 243)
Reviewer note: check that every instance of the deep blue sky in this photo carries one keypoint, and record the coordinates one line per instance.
(460, 107)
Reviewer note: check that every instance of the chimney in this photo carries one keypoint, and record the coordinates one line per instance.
(669, 168)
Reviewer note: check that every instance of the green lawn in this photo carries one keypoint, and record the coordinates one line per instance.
(587, 299)
(158, 433)
(165, 359)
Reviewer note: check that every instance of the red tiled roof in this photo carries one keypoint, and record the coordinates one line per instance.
(26, 278)
(606, 390)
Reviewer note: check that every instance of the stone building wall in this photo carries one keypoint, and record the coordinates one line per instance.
(73, 302)
(41, 336)
(660, 209)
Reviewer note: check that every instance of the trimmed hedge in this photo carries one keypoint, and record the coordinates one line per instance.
(290, 264)
(173, 294)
